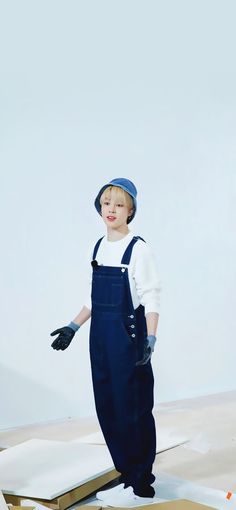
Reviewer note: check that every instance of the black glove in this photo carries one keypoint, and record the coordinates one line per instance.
(148, 349)
(64, 339)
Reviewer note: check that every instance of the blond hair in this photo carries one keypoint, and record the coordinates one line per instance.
(119, 194)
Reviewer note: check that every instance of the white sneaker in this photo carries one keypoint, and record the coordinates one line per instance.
(127, 498)
(110, 492)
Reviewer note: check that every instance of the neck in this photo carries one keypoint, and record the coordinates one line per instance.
(117, 234)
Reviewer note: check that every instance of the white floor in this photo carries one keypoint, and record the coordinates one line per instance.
(212, 421)
(209, 459)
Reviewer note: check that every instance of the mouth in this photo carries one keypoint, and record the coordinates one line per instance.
(111, 218)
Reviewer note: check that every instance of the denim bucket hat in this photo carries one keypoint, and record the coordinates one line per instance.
(124, 184)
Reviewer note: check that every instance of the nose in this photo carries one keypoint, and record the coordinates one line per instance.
(112, 208)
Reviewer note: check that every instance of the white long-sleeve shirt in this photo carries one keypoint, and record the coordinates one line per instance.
(145, 285)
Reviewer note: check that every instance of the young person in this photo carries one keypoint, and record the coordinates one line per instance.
(124, 313)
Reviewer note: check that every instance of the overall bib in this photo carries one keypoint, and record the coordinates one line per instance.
(123, 392)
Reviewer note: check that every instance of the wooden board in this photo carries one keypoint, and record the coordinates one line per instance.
(45, 469)
(71, 497)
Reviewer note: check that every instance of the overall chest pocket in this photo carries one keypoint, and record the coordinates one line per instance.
(107, 293)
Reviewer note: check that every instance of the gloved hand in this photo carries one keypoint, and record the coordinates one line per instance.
(147, 350)
(65, 336)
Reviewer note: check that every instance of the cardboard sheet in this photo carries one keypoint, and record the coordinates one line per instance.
(170, 505)
(45, 469)
(3, 505)
(166, 439)
(170, 489)
(30, 502)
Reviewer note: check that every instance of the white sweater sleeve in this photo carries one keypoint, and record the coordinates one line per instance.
(147, 281)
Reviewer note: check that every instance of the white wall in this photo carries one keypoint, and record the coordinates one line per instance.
(90, 91)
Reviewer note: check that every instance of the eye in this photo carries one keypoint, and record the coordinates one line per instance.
(120, 205)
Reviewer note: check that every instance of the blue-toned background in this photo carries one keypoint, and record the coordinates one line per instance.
(92, 90)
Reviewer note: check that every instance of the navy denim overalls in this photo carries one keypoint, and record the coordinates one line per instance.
(123, 392)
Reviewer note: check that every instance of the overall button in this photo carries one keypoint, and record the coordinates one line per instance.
(131, 316)
(123, 269)
(133, 335)
(132, 326)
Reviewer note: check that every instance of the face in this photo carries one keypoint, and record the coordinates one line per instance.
(114, 211)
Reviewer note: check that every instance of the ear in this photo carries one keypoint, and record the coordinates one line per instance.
(130, 213)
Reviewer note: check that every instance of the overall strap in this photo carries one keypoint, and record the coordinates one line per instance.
(96, 247)
(128, 252)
